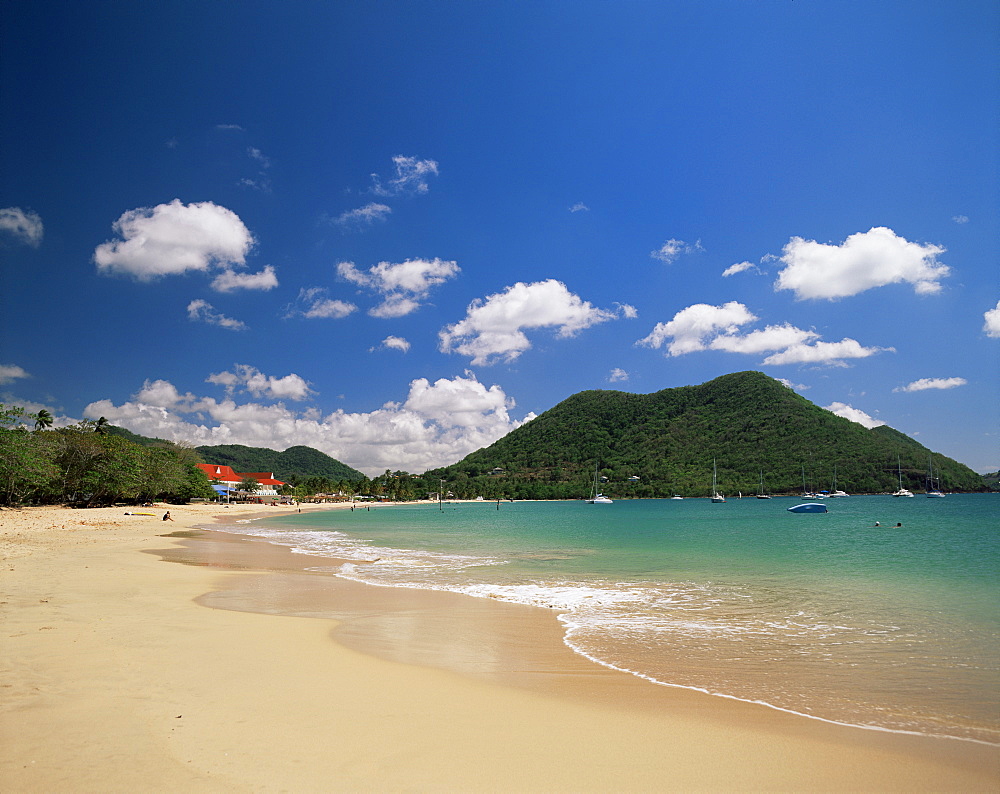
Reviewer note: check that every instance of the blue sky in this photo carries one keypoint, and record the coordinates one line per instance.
(395, 231)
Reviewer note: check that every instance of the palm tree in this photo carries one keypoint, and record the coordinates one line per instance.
(43, 420)
(101, 425)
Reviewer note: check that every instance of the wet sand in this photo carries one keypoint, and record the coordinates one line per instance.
(115, 676)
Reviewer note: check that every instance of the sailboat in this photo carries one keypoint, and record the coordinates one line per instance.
(835, 492)
(806, 493)
(717, 498)
(932, 492)
(760, 491)
(595, 497)
(899, 471)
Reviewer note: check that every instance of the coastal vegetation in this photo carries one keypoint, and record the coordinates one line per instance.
(85, 464)
(657, 445)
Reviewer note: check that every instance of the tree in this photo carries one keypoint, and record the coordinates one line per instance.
(43, 420)
(101, 425)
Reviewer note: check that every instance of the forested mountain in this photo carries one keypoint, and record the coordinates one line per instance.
(748, 422)
(293, 464)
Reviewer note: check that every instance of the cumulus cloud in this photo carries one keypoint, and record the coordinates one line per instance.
(435, 425)
(25, 226)
(363, 216)
(313, 303)
(579, 207)
(706, 327)
(493, 328)
(627, 311)
(854, 414)
(932, 383)
(690, 327)
(174, 238)
(739, 267)
(617, 375)
(790, 385)
(991, 324)
(203, 311)
(11, 372)
(229, 280)
(405, 284)
(831, 353)
(411, 175)
(671, 249)
(863, 261)
(395, 343)
(253, 381)
(961, 219)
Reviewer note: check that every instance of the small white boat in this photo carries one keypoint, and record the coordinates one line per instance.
(836, 492)
(932, 492)
(676, 496)
(760, 491)
(808, 507)
(902, 491)
(717, 497)
(598, 498)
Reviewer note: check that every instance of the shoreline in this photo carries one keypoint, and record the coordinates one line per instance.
(418, 690)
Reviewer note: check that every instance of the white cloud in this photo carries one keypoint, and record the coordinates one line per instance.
(705, 327)
(991, 324)
(363, 216)
(436, 425)
(579, 207)
(831, 353)
(315, 304)
(960, 219)
(255, 382)
(627, 311)
(256, 154)
(863, 261)
(11, 372)
(773, 337)
(24, 225)
(411, 177)
(617, 375)
(690, 327)
(932, 383)
(671, 249)
(229, 280)
(174, 238)
(854, 414)
(740, 267)
(395, 343)
(203, 311)
(404, 284)
(493, 327)
(790, 385)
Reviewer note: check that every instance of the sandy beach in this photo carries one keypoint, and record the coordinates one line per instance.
(123, 670)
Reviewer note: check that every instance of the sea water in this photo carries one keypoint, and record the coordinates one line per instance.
(825, 615)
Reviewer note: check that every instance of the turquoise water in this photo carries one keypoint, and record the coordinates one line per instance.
(824, 615)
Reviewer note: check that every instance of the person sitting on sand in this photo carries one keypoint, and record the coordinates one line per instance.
(166, 516)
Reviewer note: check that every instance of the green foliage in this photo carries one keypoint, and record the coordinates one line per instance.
(747, 421)
(297, 461)
(77, 464)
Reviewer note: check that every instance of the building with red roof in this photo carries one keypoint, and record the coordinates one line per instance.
(227, 478)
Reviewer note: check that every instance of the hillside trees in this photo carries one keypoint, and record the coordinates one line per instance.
(77, 464)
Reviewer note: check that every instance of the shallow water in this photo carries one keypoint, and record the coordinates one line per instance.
(824, 615)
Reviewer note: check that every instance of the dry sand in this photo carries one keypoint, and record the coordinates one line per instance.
(114, 676)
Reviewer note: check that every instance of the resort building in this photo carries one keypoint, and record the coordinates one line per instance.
(224, 479)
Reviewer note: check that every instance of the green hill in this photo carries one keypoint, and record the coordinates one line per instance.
(292, 464)
(748, 422)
